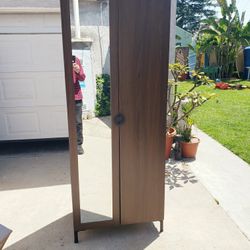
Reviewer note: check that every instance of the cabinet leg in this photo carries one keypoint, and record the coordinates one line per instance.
(161, 226)
(76, 237)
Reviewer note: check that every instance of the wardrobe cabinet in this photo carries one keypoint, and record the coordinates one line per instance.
(139, 45)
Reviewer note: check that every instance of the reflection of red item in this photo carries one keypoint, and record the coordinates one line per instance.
(222, 85)
(76, 78)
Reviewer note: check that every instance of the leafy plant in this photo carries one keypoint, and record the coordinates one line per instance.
(180, 105)
(186, 130)
(102, 107)
(225, 36)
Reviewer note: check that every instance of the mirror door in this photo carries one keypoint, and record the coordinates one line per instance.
(89, 83)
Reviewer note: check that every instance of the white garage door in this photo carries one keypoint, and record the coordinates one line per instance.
(32, 90)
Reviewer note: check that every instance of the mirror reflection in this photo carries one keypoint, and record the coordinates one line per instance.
(91, 79)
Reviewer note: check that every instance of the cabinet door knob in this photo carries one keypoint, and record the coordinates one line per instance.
(119, 119)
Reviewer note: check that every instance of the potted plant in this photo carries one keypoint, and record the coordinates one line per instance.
(180, 105)
(177, 70)
(170, 134)
(189, 143)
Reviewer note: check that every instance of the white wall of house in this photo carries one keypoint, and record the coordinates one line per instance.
(94, 21)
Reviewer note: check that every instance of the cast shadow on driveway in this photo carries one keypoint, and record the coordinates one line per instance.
(34, 164)
(59, 235)
(177, 174)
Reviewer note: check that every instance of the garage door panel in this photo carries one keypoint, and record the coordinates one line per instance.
(12, 22)
(14, 52)
(50, 89)
(19, 53)
(33, 89)
(53, 122)
(51, 23)
(17, 89)
(30, 123)
(32, 85)
(31, 23)
(60, 119)
(53, 59)
(25, 122)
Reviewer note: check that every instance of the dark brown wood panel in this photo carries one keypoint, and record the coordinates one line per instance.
(115, 108)
(143, 71)
(67, 54)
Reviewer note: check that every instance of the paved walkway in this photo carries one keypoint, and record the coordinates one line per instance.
(35, 201)
(226, 177)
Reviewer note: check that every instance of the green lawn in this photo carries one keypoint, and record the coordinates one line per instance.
(226, 118)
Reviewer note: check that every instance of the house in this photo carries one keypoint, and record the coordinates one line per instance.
(183, 52)
(32, 89)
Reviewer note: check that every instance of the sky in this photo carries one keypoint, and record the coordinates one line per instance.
(244, 5)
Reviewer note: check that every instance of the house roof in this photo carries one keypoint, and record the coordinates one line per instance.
(183, 31)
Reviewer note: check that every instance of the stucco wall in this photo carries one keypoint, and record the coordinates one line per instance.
(94, 21)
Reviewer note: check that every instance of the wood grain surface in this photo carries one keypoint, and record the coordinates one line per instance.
(143, 72)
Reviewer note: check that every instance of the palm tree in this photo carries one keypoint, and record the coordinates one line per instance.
(226, 36)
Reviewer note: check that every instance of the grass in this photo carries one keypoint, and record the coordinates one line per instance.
(226, 117)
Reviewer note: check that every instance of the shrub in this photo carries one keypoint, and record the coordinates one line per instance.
(102, 107)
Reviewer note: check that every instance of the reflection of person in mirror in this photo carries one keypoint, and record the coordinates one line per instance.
(78, 75)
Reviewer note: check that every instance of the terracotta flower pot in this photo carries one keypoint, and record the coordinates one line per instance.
(169, 141)
(183, 77)
(189, 149)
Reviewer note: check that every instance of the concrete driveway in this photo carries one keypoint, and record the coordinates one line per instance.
(35, 202)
